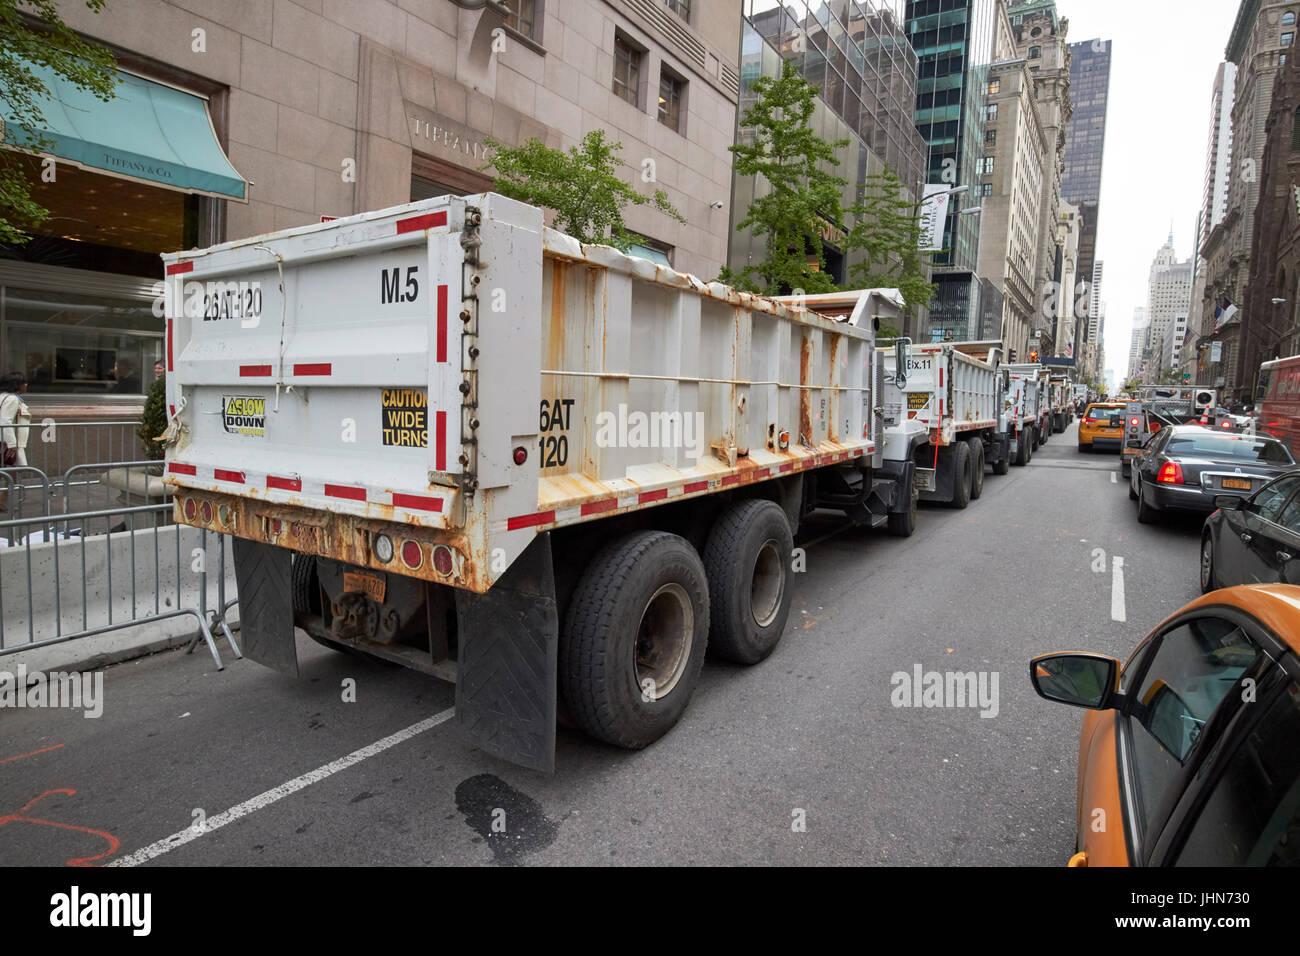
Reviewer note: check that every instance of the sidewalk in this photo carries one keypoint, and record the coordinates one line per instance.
(115, 647)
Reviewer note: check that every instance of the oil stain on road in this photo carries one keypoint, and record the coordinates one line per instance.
(510, 822)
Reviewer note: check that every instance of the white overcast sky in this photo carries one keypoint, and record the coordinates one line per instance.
(1163, 60)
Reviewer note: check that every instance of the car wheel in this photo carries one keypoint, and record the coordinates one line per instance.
(1146, 514)
(1208, 583)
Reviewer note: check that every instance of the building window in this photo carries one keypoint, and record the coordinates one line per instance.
(1035, 52)
(986, 166)
(522, 17)
(627, 70)
(994, 86)
(990, 137)
(672, 91)
(1287, 38)
(1288, 19)
(1018, 19)
(1295, 131)
(680, 7)
(993, 111)
(984, 189)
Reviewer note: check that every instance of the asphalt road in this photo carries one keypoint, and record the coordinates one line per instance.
(802, 759)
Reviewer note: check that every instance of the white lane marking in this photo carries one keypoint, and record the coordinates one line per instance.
(1117, 612)
(264, 800)
(1112, 479)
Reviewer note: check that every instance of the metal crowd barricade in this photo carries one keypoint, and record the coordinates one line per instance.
(96, 551)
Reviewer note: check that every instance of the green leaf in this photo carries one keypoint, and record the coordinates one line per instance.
(580, 186)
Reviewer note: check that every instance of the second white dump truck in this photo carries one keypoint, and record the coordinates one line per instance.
(945, 417)
(446, 436)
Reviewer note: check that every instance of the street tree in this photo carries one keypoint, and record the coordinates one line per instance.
(800, 199)
(887, 232)
(581, 186)
(34, 33)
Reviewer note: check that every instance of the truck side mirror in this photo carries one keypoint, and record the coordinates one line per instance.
(900, 362)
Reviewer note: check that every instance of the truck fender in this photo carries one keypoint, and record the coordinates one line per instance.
(903, 474)
(262, 576)
(507, 667)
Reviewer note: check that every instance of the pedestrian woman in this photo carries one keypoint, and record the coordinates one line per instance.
(14, 417)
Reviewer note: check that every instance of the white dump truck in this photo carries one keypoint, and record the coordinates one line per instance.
(446, 436)
(944, 416)
(1026, 400)
(1062, 406)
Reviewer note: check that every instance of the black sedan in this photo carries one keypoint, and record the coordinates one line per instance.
(1185, 467)
(1254, 540)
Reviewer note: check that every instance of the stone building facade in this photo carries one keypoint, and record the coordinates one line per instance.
(328, 108)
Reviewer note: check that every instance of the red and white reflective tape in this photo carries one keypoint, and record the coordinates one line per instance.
(303, 369)
(562, 516)
(220, 479)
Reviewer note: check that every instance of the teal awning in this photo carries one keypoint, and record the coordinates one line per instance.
(645, 252)
(148, 131)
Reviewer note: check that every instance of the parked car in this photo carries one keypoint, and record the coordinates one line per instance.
(1185, 467)
(1188, 754)
(1254, 540)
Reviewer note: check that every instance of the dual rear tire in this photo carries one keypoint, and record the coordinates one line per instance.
(647, 608)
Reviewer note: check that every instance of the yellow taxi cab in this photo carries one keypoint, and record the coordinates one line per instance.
(1102, 426)
(1188, 754)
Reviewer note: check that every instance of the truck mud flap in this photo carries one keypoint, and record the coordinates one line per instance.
(506, 674)
(262, 575)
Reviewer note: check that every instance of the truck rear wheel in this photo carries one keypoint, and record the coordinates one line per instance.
(1035, 438)
(961, 474)
(1003, 464)
(1022, 448)
(747, 561)
(634, 638)
(977, 468)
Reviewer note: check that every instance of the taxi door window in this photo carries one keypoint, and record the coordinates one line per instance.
(1193, 669)
(1252, 817)
(1268, 505)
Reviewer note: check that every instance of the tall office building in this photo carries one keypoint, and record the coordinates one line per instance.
(1169, 291)
(953, 40)
(1085, 140)
(1218, 148)
(1137, 343)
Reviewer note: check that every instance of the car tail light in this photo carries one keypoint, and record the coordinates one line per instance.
(412, 554)
(442, 562)
(1227, 424)
(1091, 421)
(1171, 473)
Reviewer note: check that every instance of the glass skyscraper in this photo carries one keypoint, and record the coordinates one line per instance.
(1085, 139)
(856, 54)
(953, 40)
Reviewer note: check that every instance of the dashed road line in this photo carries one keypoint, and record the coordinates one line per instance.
(1117, 609)
(264, 800)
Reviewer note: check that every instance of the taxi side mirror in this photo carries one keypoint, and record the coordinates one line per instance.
(1080, 680)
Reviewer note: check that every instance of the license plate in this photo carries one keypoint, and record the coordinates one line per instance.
(368, 584)
(1241, 483)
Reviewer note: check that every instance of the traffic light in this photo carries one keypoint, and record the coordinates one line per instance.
(1033, 356)
(1011, 355)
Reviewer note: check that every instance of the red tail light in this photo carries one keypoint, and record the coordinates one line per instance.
(1133, 422)
(1092, 421)
(1227, 424)
(1171, 473)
